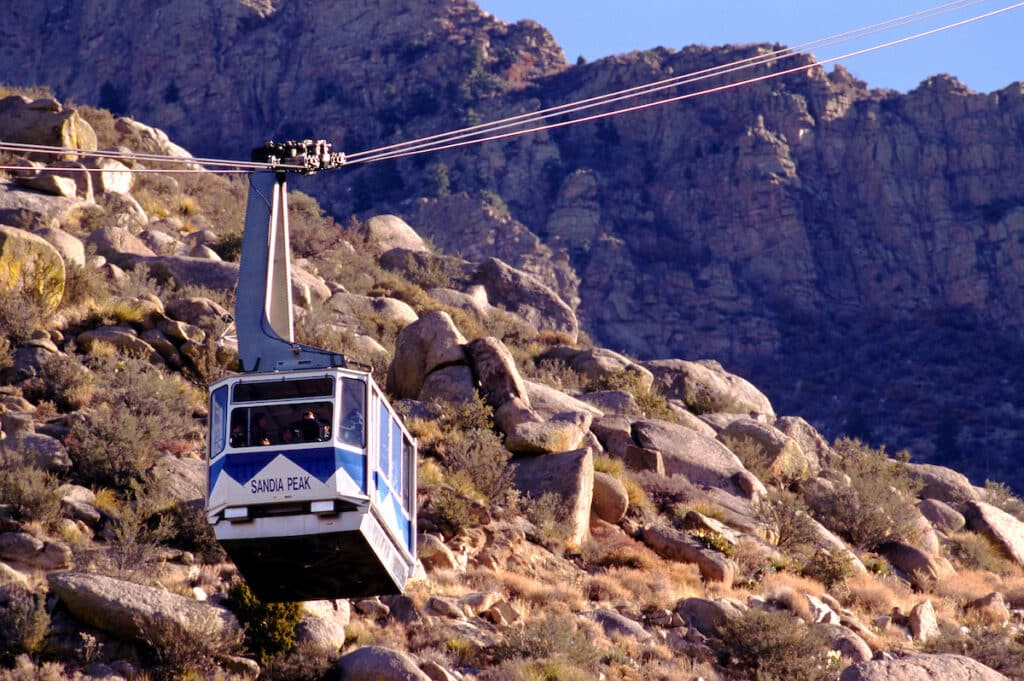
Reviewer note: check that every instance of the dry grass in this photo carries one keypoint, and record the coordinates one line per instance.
(782, 581)
(967, 586)
(536, 594)
(872, 596)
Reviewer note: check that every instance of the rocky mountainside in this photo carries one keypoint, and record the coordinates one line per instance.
(582, 515)
(792, 229)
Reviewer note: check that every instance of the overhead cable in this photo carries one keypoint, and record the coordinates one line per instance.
(445, 144)
(525, 123)
(649, 88)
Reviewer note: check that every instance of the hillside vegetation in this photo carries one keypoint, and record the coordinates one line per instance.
(583, 515)
(842, 246)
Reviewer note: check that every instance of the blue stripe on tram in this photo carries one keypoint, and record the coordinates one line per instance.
(321, 463)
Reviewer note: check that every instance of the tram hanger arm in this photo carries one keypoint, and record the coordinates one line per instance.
(263, 306)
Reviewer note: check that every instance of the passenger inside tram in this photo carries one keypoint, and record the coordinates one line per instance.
(281, 424)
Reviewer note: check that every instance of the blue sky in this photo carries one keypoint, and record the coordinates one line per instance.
(987, 55)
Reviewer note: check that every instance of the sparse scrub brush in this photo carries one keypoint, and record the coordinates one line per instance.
(786, 517)
(139, 407)
(24, 622)
(877, 505)
(29, 493)
(998, 494)
(141, 528)
(552, 638)
(771, 644)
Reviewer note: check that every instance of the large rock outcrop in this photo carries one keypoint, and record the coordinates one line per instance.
(723, 226)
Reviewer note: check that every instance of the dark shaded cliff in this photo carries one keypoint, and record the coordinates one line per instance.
(855, 252)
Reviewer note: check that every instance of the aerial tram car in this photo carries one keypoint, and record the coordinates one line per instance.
(311, 472)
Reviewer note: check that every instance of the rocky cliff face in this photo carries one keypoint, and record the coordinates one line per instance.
(779, 227)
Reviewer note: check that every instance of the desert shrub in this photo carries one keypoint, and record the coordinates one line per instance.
(753, 455)
(138, 408)
(21, 310)
(24, 622)
(460, 416)
(973, 551)
(269, 627)
(713, 540)
(651, 400)
(552, 638)
(478, 456)
(222, 199)
(438, 272)
(877, 505)
(102, 122)
(310, 232)
(452, 508)
(304, 662)
(68, 383)
(229, 246)
(141, 529)
(548, 514)
(191, 652)
(29, 493)
(83, 285)
(111, 448)
(6, 353)
(511, 329)
(785, 515)
(771, 644)
(1000, 648)
(829, 568)
(998, 494)
(554, 372)
(191, 532)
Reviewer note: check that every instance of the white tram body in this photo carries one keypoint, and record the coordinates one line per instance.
(312, 507)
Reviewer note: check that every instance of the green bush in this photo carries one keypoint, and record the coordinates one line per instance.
(269, 627)
(878, 505)
(138, 407)
(831, 569)
(30, 493)
(772, 644)
(191, 532)
(24, 623)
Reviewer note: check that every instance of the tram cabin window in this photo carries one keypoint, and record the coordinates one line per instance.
(281, 424)
(352, 430)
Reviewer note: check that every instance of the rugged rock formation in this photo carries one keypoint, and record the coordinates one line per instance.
(795, 230)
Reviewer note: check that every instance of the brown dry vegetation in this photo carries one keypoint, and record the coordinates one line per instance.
(123, 411)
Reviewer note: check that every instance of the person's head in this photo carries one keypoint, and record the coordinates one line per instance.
(308, 414)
